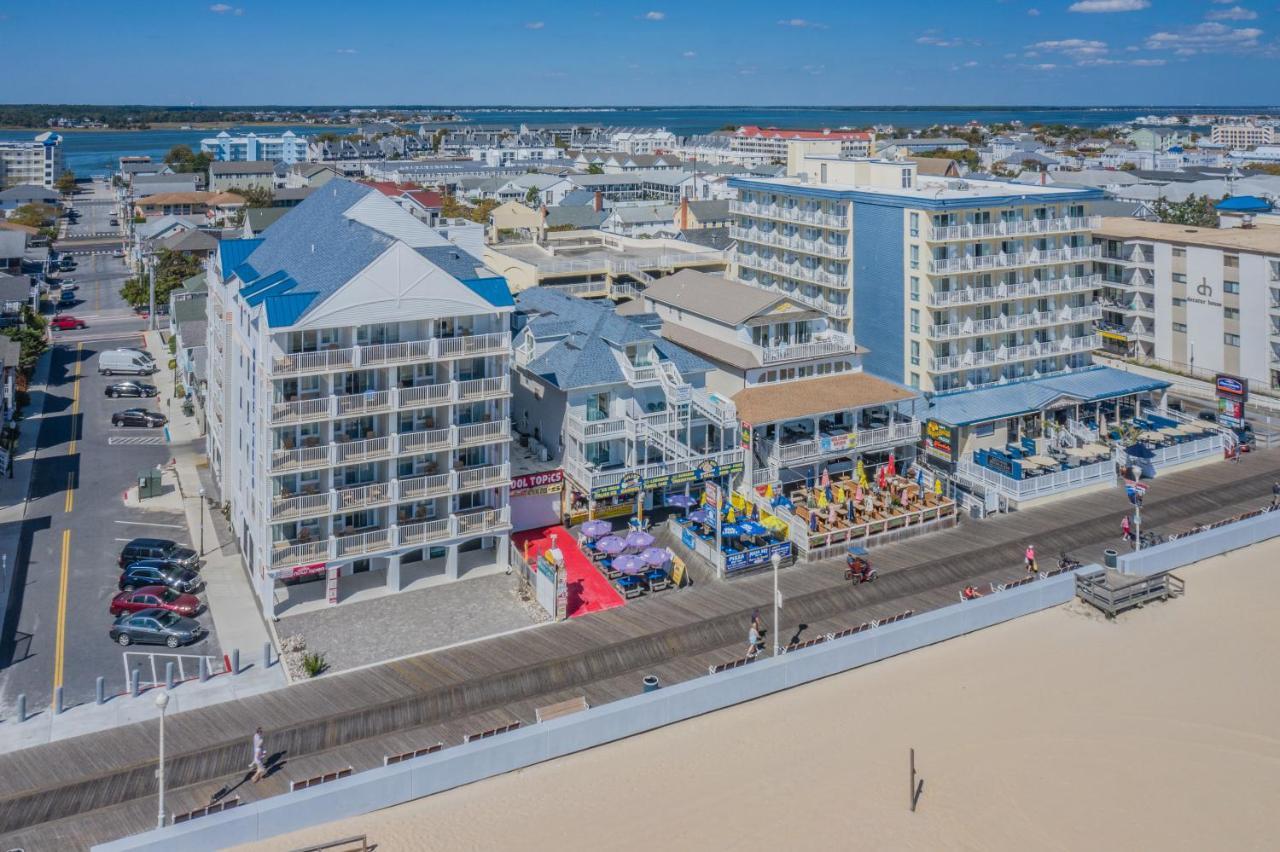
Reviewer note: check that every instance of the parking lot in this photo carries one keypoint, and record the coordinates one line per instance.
(78, 521)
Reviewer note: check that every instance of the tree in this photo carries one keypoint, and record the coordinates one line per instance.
(30, 336)
(171, 269)
(531, 196)
(254, 196)
(1198, 211)
(1128, 167)
(32, 215)
(183, 159)
(595, 169)
(67, 182)
(968, 156)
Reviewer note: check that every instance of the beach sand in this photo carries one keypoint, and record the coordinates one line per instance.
(1057, 731)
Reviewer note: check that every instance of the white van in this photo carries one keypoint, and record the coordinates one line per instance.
(140, 353)
(124, 363)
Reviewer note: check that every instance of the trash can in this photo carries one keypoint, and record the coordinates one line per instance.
(650, 683)
(1109, 556)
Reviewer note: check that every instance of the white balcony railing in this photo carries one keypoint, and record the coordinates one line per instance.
(861, 440)
(819, 247)
(789, 214)
(1006, 292)
(1012, 322)
(832, 345)
(591, 477)
(1007, 354)
(404, 443)
(490, 476)
(1013, 229)
(392, 354)
(1002, 260)
(1101, 473)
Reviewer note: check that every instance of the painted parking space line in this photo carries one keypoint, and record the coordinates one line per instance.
(114, 441)
(153, 524)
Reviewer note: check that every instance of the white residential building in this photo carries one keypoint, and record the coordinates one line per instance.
(771, 142)
(287, 147)
(643, 140)
(358, 399)
(1244, 135)
(34, 163)
(513, 154)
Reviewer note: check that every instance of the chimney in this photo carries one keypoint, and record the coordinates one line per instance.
(684, 213)
(599, 202)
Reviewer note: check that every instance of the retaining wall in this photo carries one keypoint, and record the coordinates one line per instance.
(383, 787)
(1193, 548)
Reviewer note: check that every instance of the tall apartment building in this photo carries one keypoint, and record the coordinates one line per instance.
(1202, 298)
(359, 398)
(1244, 135)
(951, 283)
(772, 142)
(34, 163)
(287, 147)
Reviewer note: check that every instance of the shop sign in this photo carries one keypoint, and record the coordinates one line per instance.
(1231, 412)
(632, 482)
(756, 556)
(999, 464)
(938, 440)
(297, 571)
(686, 538)
(331, 586)
(562, 596)
(543, 482)
(1231, 387)
(746, 436)
(836, 443)
(546, 568)
(712, 490)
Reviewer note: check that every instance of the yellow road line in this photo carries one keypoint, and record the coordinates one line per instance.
(70, 501)
(60, 639)
(75, 401)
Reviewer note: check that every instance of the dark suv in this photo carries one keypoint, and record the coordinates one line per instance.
(158, 548)
(152, 573)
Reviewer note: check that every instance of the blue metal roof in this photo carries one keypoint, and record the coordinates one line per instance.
(1244, 204)
(277, 288)
(232, 253)
(286, 309)
(492, 290)
(453, 260)
(1030, 395)
(263, 283)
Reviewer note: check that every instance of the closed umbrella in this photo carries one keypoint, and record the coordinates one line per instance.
(639, 540)
(595, 529)
(826, 478)
(892, 463)
(611, 545)
(862, 473)
(630, 564)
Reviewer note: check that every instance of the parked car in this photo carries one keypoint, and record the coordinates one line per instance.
(156, 627)
(129, 363)
(142, 574)
(156, 597)
(137, 353)
(118, 253)
(131, 388)
(66, 297)
(158, 548)
(138, 417)
(68, 285)
(66, 322)
(67, 263)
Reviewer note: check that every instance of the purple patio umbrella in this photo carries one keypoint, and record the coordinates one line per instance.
(700, 517)
(655, 556)
(611, 545)
(595, 529)
(630, 564)
(681, 501)
(639, 540)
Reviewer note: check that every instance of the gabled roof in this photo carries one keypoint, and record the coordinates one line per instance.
(576, 217)
(576, 340)
(190, 241)
(712, 296)
(777, 401)
(250, 167)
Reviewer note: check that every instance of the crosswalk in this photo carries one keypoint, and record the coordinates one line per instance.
(136, 441)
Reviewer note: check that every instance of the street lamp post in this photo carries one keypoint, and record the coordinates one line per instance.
(201, 521)
(777, 602)
(162, 701)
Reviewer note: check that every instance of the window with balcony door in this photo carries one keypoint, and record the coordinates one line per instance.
(915, 320)
(915, 257)
(915, 224)
(915, 353)
(915, 288)
(598, 406)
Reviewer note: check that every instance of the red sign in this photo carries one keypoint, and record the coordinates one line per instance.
(299, 571)
(543, 482)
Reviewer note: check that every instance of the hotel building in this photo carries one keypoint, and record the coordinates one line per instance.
(358, 400)
(34, 163)
(952, 284)
(287, 147)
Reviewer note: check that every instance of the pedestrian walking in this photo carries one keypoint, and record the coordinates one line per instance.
(259, 763)
(1125, 529)
(755, 622)
(1275, 494)
(753, 642)
(1031, 559)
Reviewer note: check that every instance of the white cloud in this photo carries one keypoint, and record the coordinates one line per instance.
(220, 8)
(1235, 13)
(972, 63)
(1096, 6)
(1035, 13)
(534, 25)
(1147, 63)
(1078, 48)
(347, 50)
(1044, 66)
(801, 23)
(654, 16)
(1205, 38)
(814, 70)
(689, 54)
(934, 38)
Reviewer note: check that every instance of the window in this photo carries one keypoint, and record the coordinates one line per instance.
(906, 178)
(915, 288)
(915, 257)
(915, 380)
(915, 224)
(984, 429)
(1230, 261)
(915, 320)
(1179, 252)
(1231, 313)
(915, 353)
(1231, 287)
(1180, 326)
(1231, 339)
(1179, 278)
(1179, 303)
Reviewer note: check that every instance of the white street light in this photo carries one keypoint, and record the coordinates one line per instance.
(777, 602)
(202, 521)
(162, 701)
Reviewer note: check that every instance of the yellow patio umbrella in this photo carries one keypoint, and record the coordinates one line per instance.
(862, 472)
(937, 486)
(768, 490)
(730, 517)
(822, 498)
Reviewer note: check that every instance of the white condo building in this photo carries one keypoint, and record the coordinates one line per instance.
(359, 399)
(34, 163)
(288, 147)
(1244, 135)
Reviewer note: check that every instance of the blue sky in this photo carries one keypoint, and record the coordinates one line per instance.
(1208, 52)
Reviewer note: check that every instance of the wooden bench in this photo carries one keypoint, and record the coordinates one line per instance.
(808, 643)
(391, 759)
(732, 664)
(294, 786)
(561, 708)
(492, 732)
(215, 808)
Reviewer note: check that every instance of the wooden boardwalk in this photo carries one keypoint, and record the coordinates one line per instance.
(72, 793)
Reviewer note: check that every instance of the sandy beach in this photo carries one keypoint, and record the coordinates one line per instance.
(1059, 731)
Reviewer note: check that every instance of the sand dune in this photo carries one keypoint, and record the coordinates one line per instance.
(1057, 731)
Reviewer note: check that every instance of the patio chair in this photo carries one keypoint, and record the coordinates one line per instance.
(657, 580)
(631, 587)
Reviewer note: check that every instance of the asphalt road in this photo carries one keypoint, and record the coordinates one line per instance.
(78, 524)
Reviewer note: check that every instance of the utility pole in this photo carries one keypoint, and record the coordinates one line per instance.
(150, 265)
(777, 602)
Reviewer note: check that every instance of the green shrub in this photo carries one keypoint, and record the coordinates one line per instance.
(313, 663)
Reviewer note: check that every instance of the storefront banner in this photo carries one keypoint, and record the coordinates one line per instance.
(297, 571)
(331, 586)
(756, 556)
(631, 482)
(1231, 387)
(712, 490)
(836, 443)
(938, 441)
(543, 482)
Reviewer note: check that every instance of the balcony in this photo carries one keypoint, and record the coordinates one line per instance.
(975, 263)
(1009, 354)
(378, 402)
(602, 429)
(789, 214)
(1013, 322)
(1025, 227)
(1101, 473)
(818, 247)
(1005, 292)
(822, 345)
(591, 477)
(861, 440)
(405, 443)
(391, 354)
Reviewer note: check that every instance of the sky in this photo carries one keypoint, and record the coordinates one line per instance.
(721, 52)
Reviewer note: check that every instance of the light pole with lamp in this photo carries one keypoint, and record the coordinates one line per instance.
(777, 602)
(201, 510)
(162, 701)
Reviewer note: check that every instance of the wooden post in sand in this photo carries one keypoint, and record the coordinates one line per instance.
(916, 786)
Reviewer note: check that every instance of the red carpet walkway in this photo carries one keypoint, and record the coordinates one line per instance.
(589, 591)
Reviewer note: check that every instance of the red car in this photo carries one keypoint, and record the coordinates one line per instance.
(149, 597)
(66, 322)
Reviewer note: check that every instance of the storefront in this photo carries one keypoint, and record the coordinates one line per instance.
(632, 491)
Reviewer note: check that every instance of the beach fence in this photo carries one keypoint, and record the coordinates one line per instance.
(1222, 537)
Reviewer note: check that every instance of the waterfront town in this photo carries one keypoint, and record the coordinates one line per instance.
(385, 450)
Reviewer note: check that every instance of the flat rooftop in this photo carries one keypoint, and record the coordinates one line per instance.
(590, 254)
(1263, 239)
(926, 188)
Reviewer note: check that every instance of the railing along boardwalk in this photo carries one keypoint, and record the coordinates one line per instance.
(96, 783)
